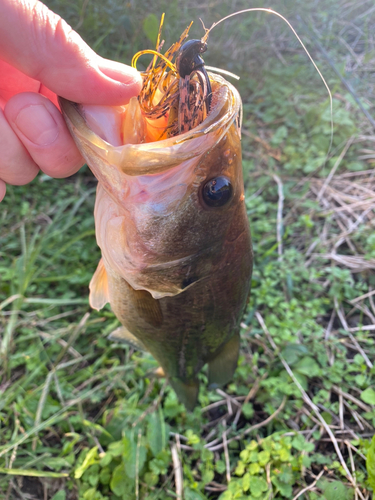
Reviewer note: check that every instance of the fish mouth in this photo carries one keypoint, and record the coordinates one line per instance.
(159, 156)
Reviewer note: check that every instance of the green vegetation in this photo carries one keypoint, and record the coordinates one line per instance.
(82, 418)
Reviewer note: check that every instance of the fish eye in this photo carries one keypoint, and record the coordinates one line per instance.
(217, 192)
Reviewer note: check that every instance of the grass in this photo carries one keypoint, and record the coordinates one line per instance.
(81, 417)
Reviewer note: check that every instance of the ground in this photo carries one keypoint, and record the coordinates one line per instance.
(82, 418)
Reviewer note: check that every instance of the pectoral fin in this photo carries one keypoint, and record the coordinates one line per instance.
(122, 335)
(187, 392)
(99, 293)
(222, 367)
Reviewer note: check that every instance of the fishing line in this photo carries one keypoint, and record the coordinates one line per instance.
(270, 11)
(222, 71)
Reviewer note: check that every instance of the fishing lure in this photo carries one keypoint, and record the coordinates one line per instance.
(189, 62)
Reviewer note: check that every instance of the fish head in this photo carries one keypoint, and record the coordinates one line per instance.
(166, 211)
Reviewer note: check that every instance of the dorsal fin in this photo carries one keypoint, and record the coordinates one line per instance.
(99, 293)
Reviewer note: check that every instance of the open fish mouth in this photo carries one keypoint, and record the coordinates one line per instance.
(161, 155)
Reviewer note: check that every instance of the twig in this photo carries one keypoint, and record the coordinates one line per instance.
(249, 429)
(353, 399)
(355, 415)
(177, 471)
(214, 405)
(226, 453)
(250, 395)
(349, 445)
(361, 297)
(229, 400)
(215, 487)
(352, 338)
(363, 308)
(363, 328)
(310, 486)
(12, 457)
(351, 459)
(356, 490)
(314, 419)
(269, 482)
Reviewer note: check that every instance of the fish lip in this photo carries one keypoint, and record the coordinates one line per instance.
(158, 156)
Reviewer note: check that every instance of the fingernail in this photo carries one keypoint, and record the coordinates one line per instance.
(36, 124)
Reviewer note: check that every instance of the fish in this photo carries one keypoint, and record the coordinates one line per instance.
(170, 217)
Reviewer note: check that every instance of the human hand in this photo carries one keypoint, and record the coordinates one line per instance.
(41, 56)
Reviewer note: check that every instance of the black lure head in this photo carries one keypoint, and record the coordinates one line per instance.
(189, 58)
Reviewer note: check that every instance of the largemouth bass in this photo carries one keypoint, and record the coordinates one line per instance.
(170, 218)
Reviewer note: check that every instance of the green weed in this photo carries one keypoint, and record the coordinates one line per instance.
(82, 418)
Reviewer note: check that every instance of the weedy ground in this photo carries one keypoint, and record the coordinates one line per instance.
(82, 418)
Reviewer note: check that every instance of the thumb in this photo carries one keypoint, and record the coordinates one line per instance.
(39, 43)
